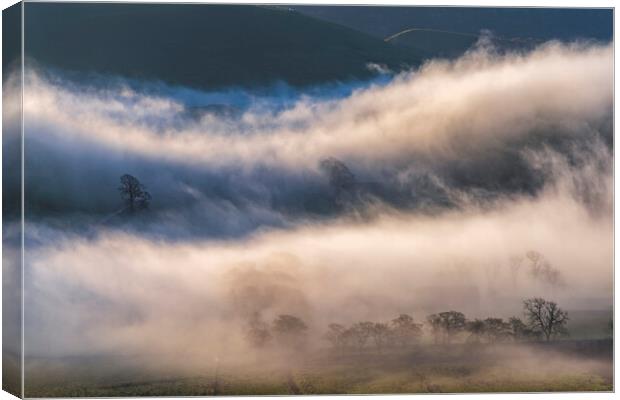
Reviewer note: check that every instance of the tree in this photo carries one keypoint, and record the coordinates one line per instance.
(545, 317)
(360, 332)
(257, 332)
(134, 193)
(495, 329)
(447, 325)
(340, 176)
(289, 330)
(405, 330)
(542, 270)
(476, 329)
(336, 336)
(434, 321)
(535, 259)
(341, 180)
(381, 335)
(520, 331)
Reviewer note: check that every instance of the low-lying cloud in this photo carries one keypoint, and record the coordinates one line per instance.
(431, 112)
(222, 164)
(122, 293)
(345, 204)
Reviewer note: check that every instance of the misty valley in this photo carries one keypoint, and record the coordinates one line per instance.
(314, 202)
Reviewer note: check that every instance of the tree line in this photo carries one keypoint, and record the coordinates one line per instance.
(543, 320)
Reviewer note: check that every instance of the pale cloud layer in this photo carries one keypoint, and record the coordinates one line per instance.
(125, 294)
(438, 110)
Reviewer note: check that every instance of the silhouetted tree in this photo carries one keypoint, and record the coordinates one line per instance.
(340, 176)
(405, 330)
(341, 180)
(381, 335)
(134, 193)
(535, 259)
(434, 322)
(475, 329)
(520, 331)
(545, 317)
(257, 332)
(447, 324)
(360, 332)
(289, 331)
(542, 270)
(496, 330)
(336, 336)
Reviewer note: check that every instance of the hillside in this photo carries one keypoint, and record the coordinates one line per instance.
(432, 43)
(203, 46)
(449, 31)
(539, 23)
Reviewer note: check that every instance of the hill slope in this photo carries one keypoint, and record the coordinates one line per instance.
(203, 46)
(539, 23)
(449, 31)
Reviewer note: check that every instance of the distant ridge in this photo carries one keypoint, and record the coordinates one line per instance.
(205, 46)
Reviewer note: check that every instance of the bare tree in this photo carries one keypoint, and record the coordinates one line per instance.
(535, 258)
(551, 276)
(405, 330)
(134, 193)
(542, 270)
(545, 317)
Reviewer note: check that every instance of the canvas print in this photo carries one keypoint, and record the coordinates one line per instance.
(206, 200)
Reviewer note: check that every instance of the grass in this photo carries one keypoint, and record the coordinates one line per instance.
(428, 369)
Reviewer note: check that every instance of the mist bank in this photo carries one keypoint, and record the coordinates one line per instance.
(444, 109)
(226, 163)
(121, 294)
(411, 195)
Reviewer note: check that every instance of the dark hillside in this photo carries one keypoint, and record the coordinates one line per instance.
(450, 31)
(203, 46)
(538, 23)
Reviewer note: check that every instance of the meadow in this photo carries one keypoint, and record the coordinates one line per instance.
(560, 366)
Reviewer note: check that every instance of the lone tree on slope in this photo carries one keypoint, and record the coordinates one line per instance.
(545, 317)
(134, 193)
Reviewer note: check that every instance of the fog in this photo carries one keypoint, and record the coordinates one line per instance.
(432, 112)
(454, 168)
(125, 293)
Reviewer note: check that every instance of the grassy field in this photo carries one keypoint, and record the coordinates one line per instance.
(560, 366)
